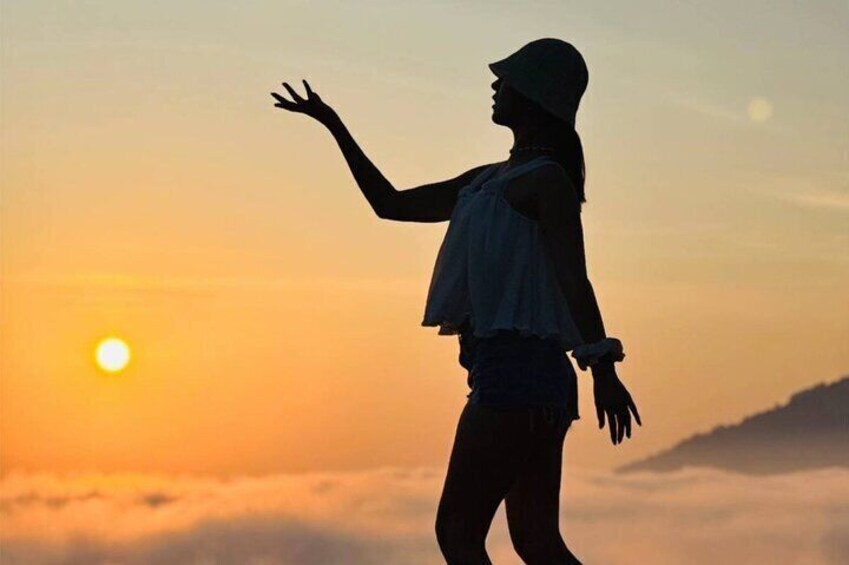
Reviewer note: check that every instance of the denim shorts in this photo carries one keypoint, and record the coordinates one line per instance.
(510, 370)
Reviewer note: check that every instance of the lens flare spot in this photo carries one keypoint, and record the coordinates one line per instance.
(760, 109)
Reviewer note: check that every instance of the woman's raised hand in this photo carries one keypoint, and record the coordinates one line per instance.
(312, 106)
(614, 400)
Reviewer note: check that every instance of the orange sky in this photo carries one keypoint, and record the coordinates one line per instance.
(152, 191)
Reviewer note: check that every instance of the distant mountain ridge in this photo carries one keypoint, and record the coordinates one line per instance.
(810, 431)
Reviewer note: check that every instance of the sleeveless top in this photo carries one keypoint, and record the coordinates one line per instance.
(492, 271)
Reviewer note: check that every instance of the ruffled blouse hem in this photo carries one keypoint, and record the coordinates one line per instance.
(586, 355)
(451, 328)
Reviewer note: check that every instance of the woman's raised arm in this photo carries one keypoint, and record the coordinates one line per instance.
(427, 203)
(432, 202)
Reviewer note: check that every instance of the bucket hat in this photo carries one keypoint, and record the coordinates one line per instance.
(549, 71)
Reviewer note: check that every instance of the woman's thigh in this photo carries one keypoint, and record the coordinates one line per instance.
(533, 502)
(490, 448)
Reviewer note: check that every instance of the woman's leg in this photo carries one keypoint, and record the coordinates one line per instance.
(533, 502)
(489, 448)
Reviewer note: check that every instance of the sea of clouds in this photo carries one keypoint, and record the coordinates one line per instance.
(386, 516)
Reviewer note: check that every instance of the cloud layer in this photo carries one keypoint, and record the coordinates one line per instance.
(386, 516)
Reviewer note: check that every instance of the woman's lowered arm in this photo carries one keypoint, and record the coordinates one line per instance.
(559, 216)
(558, 211)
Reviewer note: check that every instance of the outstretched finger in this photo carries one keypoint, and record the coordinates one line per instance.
(282, 102)
(633, 408)
(294, 94)
(611, 425)
(600, 413)
(310, 93)
(623, 424)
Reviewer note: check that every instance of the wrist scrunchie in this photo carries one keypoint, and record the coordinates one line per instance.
(607, 349)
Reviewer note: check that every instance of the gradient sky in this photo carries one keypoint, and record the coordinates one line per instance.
(151, 190)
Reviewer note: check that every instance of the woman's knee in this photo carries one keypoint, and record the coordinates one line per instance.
(537, 545)
(542, 548)
(460, 544)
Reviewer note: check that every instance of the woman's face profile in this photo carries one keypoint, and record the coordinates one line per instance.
(513, 109)
(507, 104)
(498, 97)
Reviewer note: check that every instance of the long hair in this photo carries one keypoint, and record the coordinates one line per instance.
(570, 155)
(567, 143)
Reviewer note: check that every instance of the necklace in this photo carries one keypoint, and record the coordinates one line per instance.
(515, 150)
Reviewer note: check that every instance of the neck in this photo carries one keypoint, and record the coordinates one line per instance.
(530, 143)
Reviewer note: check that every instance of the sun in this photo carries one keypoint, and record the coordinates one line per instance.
(112, 354)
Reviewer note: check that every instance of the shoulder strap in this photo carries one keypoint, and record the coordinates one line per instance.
(489, 173)
(481, 178)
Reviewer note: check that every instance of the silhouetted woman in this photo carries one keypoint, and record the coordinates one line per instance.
(510, 281)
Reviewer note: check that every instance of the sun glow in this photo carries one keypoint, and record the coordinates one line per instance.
(112, 354)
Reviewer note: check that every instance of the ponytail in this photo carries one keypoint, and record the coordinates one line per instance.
(570, 155)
